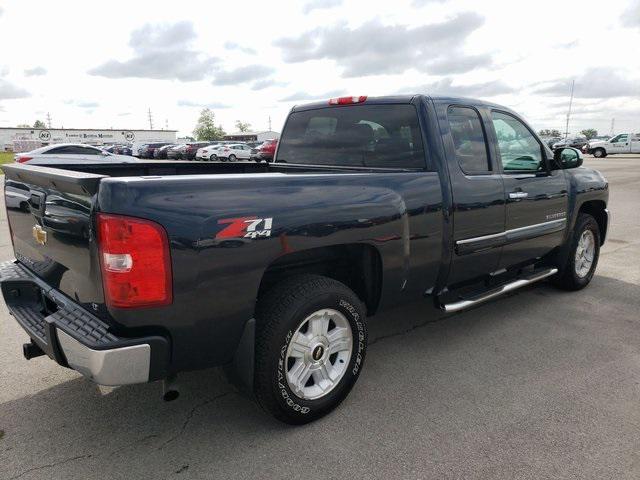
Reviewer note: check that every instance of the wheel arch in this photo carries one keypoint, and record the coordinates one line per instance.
(357, 265)
(598, 210)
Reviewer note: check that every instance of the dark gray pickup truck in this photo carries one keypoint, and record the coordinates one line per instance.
(135, 272)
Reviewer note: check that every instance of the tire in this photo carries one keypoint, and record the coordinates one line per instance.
(232, 158)
(213, 157)
(599, 153)
(282, 314)
(571, 276)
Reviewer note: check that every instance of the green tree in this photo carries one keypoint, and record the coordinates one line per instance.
(549, 133)
(39, 124)
(206, 128)
(589, 133)
(243, 126)
(24, 125)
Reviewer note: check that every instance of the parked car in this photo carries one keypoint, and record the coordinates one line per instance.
(123, 150)
(265, 151)
(148, 150)
(161, 153)
(272, 270)
(68, 153)
(550, 141)
(191, 149)
(175, 152)
(574, 142)
(621, 143)
(210, 152)
(233, 152)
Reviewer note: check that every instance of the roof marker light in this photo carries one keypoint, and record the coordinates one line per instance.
(347, 100)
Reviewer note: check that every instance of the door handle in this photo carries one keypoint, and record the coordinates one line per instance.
(517, 195)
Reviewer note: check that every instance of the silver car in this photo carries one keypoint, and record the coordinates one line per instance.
(70, 153)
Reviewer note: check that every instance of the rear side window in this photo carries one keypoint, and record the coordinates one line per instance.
(378, 136)
(468, 140)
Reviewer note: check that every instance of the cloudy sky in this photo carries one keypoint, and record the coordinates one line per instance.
(104, 64)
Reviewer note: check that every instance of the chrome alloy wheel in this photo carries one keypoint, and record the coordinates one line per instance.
(585, 252)
(318, 354)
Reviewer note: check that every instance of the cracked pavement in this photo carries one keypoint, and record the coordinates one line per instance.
(538, 384)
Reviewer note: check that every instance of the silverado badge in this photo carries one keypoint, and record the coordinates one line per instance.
(39, 234)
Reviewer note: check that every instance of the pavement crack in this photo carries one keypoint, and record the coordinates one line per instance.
(50, 465)
(190, 415)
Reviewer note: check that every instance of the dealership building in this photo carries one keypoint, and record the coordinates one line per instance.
(25, 139)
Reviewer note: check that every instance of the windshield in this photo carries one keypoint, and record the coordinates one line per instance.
(382, 136)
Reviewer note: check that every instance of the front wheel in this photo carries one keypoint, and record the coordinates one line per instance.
(584, 252)
(213, 157)
(310, 347)
(232, 158)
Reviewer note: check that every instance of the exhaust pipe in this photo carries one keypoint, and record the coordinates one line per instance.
(31, 350)
(170, 389)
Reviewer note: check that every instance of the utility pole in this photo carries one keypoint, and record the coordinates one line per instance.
(269, 122)
(166, 124)
(566, 130)
(613, 126)
(150, 120)
(48, 119)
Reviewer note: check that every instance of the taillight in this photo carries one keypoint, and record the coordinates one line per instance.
(135, 262)
(347, 100)
(23, 159)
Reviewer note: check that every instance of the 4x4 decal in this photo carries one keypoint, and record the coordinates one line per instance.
(245, 227)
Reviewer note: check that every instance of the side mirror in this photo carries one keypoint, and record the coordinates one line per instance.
(567, 158)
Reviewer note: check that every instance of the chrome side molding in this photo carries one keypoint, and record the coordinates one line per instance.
(507, 287)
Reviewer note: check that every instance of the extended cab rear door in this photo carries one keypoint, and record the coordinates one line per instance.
(536, 195)
(635, 143)
(478, 192)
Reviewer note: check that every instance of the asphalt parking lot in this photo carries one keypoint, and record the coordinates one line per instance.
(539, 384)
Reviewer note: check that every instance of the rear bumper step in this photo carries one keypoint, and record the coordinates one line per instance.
(500, 290)
(75, 338)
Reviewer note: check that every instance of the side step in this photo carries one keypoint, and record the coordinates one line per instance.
(500, 290)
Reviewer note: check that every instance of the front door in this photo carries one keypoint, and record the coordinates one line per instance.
(536, 196)
(619, 144)
(478, 194)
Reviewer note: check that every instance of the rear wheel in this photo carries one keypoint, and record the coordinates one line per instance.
(232, 158)
(583, 255)
(310, 347)
(213, 157)
(599, 153)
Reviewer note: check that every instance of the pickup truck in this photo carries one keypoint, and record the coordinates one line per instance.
(621, 143)
(134, 273)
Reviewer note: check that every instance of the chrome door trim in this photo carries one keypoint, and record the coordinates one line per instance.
(470, 245)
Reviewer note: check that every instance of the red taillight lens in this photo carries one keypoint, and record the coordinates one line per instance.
(135, 262)
(23, 159)
(347, 100)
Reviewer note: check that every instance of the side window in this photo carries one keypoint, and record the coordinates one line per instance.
(468, 140)
(88, 151)
(519, 149)
(620, 139)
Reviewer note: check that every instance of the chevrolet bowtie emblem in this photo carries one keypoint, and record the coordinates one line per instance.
(39, 234)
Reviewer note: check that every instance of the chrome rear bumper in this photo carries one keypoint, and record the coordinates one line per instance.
(77, 339)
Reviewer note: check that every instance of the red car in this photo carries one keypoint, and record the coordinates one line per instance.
(265, 152)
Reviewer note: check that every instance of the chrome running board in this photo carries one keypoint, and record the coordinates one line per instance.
(500, 290)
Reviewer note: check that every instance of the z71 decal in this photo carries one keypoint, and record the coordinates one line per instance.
(245, 227)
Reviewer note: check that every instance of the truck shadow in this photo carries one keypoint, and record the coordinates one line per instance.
(75, 426)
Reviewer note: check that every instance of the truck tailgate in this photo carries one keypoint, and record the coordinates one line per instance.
(49, 214)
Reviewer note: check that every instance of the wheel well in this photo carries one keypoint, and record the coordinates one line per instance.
(358, 266)
(596, 208)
